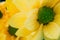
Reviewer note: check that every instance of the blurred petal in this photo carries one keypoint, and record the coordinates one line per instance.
(2, 3)
(26, 5)
(52, 3)
(2, 36)
(31, 22)
(22, 32)
(17, 20)
(57, 19)
(52, 31)
(3, 20)
(39, 34)
(57, 11)
(57, 8)
(25, 21)
(43, 3)
(11, 8)
(36, 35)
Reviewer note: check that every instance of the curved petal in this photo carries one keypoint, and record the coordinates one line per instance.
(17, 20)
(3, 20)
(39, 34)
(36, 35)
(22, 32)
(57, 8)
(49, 3)
(26, 5)
(57, 11)
(51, 31)
(11, 8)
(43, 3)
(52, 3)
(31, 22)
(57, 19)
(25, 21)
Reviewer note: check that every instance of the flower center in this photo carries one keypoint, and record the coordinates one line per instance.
(12, 30)
(1, 15)
(45, 15)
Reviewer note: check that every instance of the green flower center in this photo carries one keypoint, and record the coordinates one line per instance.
(45, 15)
(12, 30)
(1, 15)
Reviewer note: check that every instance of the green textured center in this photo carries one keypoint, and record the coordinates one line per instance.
(12, 30)
(45, 15)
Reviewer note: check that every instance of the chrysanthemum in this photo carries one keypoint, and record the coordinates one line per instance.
(37, 19)
(12, 9)
(4, 16)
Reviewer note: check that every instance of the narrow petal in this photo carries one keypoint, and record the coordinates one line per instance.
(26, 5)
(57, 11)
(22, 32)
(57, 8)
(25, 21)
(31, 22)
(51, 31)
(4, 18)
(36, 35)
(4, 14)
(52, 3)
(39, 34)
(43, 3)
(11, 8)
(17, 20)
(57, 19)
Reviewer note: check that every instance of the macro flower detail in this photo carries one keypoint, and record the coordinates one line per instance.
(45, 15)
(31, 19)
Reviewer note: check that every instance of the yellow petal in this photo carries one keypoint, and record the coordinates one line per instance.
(43, 3)
(31, 21)
(57, 19)
(11, 8)
(39, 34)
(36, 35)
(3, 20)
(57, 8)
(5, 14)
(25, 19)
(22, 32)
(2, 36)
(20, 38)
(30, 36)
(26, 5)
(52, 3)
(52, 31)
(17, 20)
(9, 37)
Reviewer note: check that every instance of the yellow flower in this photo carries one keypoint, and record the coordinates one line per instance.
(11, 8)
(46, 11)
(4, 16)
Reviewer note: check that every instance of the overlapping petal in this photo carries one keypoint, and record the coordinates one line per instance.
(26, 19)
(52, 31)
(11, 8)
(26, 5)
